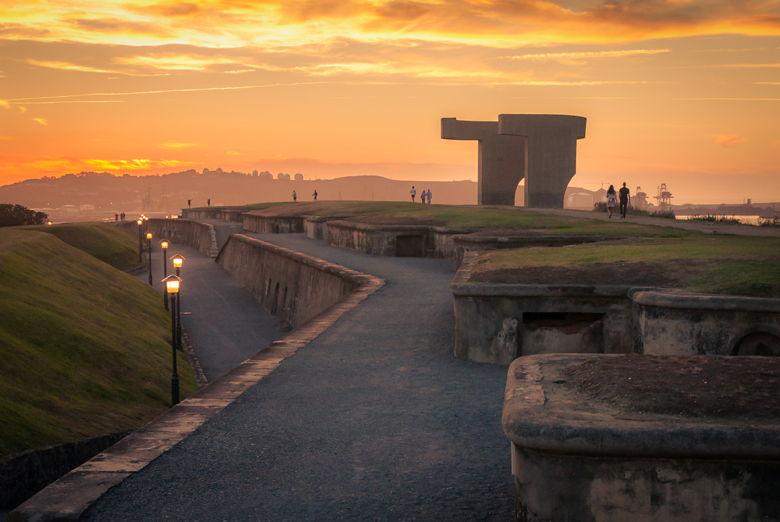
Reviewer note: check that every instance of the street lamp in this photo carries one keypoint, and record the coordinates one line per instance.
(140, 223)
(178, 262)
(149, 246)
(172, 285)
(164, 247)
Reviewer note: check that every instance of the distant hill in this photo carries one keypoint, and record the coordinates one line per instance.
(98, 195)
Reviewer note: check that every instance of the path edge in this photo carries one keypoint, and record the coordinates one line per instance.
(69, 497)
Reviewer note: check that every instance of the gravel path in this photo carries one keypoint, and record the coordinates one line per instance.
(374, 419)
(224, 322)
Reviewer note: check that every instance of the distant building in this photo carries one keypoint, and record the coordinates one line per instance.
(298, 177)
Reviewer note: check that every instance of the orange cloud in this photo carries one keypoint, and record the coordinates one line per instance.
(4, 104)
(175, 145)
(728, 140)
(41, 121)
(131, 164)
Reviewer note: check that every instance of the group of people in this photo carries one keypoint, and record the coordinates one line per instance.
(624, 195)
(119, 217)
(425, 196)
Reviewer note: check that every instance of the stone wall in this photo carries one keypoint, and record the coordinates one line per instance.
(272, 225)
(24, 474)
(680, 324)
(199, 213)
(193, 233)
(290, 285)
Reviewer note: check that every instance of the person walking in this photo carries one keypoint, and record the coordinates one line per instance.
(625, 199)
(611, 200)
(430, 195)
(315, 195)
(295, 197)
(208, 202)
(413, 193)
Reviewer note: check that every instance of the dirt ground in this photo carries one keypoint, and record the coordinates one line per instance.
(695, 386)
(668, 275)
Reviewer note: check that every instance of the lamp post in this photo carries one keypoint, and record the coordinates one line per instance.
(149, 246)
(178, 262)
(172, 284)
(164, 247)
(140, 224)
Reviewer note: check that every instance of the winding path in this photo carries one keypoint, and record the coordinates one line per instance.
(374, 419)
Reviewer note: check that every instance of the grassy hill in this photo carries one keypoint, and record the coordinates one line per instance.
(105, 241)
(84, 347)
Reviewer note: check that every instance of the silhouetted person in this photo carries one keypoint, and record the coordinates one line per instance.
(122, 216)
(208, 202)
(295, 196)
(116, 217)
(189, 203)
(430, 195)
(611, 200)
(625, 198)
(413, 193)
(315, 195)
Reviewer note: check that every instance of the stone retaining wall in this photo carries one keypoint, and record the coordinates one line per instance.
(272, 225)
(193, 233)
(290, 285)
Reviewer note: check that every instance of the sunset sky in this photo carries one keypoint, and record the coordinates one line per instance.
(676, 91)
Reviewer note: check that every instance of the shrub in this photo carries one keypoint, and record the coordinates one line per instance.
(15, 215)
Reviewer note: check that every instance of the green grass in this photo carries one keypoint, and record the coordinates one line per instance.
(84, 347)
(458, 216)
(735, 265)
(107, 242)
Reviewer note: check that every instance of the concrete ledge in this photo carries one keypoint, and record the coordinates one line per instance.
(588, 443)
(542, 412)
(70, 496)
(685, 301)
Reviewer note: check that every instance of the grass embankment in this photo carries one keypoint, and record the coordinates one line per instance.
(721, 264)
(84, 347)
(467, 217)
(107, 242)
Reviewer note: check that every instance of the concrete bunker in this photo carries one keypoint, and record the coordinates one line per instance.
(542, 148)
(600, 437)
(498, 322)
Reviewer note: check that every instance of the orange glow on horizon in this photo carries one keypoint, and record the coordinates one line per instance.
(675, 91)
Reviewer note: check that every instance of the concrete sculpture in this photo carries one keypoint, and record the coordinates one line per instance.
(542, 148)
(501, 158)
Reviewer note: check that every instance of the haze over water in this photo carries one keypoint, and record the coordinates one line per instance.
(675, 91)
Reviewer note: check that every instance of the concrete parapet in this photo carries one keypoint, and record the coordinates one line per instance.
(290, 285)
(196, 234)
(272, 224)
(599, 437)
(676, 323)
(550, 153)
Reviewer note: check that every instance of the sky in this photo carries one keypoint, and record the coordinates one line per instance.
(676, 91)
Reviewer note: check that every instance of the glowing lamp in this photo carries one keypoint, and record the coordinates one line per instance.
(164, 244)
(172, 284)
(149, 236)
(49, 223)
(140, 222)
(178, 261)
